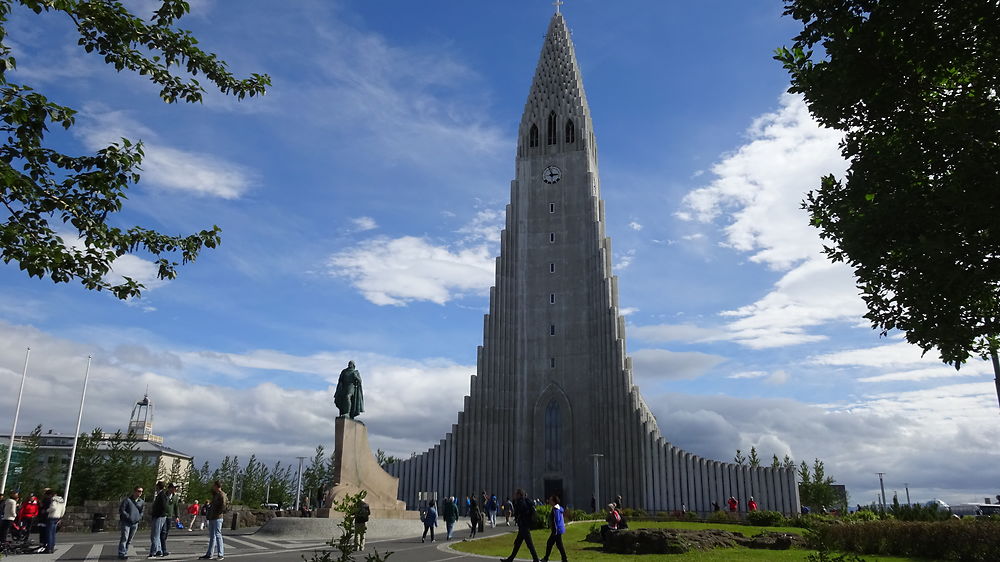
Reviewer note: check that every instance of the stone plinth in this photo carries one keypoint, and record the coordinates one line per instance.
(356, 469)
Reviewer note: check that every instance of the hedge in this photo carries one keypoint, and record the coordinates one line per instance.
(963, 540)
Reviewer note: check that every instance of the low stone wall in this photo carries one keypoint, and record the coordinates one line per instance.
(80, 519)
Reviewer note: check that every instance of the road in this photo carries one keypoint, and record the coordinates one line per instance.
(243, 545)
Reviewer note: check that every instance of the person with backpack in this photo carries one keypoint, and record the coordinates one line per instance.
(129, 515)
(524, 515)
(430, 521)
(449, 512)
(216, 510)
(361, 524)
(557, 523)
(491, 511)
(475, 518)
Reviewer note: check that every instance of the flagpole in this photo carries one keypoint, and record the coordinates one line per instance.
(13, 429)
(76, 436)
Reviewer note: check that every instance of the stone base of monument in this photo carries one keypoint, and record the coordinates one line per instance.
(356, 469)
(319, 528)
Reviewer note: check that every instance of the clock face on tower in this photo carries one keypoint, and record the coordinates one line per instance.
(551, 174)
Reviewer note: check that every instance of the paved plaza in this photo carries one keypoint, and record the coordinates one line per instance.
(245, 545)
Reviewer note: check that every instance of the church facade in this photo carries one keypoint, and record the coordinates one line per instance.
(553, 387)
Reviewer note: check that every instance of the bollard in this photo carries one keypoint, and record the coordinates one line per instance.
(236, 517)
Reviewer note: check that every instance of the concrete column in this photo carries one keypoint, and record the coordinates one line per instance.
(676, 489)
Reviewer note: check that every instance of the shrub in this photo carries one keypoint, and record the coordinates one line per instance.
(765, 518)
(719, 517)
(811, 521)
(632, 513)
(938, 540)
(580, 515)
(862, 516)
(542, 514)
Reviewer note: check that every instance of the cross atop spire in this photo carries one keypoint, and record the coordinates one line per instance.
(558, 3)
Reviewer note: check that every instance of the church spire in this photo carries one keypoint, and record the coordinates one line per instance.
(556, 92)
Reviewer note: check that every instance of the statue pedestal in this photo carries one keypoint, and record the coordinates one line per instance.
(356, 469)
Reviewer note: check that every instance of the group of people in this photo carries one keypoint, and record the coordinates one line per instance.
(521, 509)
(734, 504)
(21, 518)
(165, 514)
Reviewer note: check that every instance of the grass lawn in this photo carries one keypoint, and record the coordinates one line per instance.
(578, 549)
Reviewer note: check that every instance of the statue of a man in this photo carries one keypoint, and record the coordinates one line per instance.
(349, 398)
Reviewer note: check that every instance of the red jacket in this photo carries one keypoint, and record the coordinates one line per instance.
(29, 509)
(193, 509)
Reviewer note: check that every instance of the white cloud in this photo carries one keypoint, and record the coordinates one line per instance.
(164, 166)
(635, 225)
(756, 197)
(363, 224)
(748, 375)
(901, 434)
(662, 333)
(813, 294)
(761, 186)
(905, 361)
(627, 310)
(624, 260)
(695, 236)
(661, 364)
(275, 421)
(394, 271)
(484, 227)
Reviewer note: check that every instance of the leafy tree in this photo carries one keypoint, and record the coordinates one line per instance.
(29, 480)
(816, 488)
(913, 86)
(775, 463)
(754, 460)
(383, 459)
(788, 463)
(43, 190)
(740, 458)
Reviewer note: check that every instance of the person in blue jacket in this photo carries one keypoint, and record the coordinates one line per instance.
(430, 521)
(558, 525)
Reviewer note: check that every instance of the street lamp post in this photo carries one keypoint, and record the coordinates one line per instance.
(907, 486)
(298, 487)
(882, 486)
(13, 430)
(597, 480)
(76, 436)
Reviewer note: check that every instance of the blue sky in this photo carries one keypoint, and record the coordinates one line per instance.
(361, 200)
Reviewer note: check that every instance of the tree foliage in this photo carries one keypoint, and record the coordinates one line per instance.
(913, 86)
(816, 488)
(45, 192)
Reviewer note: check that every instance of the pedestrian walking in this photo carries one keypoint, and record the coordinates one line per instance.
(204, 513)
(158, 518)
(524, 514)
(361, 524)
(172, 516)
(733, 504)
(558, 525)
(217, 508)
(508, 510)
(193, 511)
(430, 521)
(475, 518)
(129, 515)
(492, 505)
(752, 505)
(449, 512)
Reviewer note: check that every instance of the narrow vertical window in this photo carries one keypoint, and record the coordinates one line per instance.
(552, 207)
(570, 132)
(552, 298)
(533, 136)
(552, 237)
(550, 130)
(552, 268)
(553, 454)
(552, 329)
(552, 362)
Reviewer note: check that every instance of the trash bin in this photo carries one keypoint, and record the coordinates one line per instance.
(97, 525)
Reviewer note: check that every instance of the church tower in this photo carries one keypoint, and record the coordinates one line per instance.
(553, 387)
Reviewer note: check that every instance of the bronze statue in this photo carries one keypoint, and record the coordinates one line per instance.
(349, 398)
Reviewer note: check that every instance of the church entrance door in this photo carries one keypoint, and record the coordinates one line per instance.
(553, 486)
